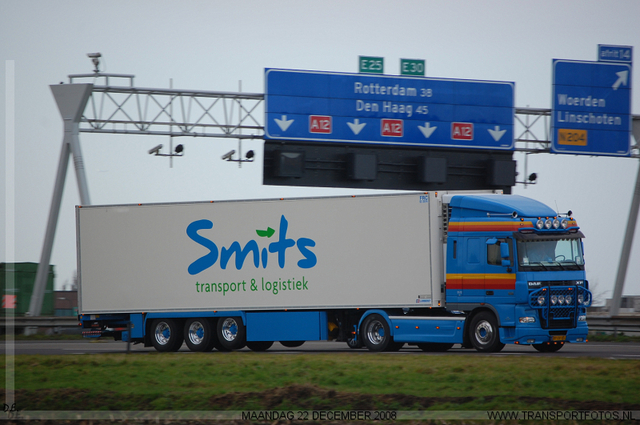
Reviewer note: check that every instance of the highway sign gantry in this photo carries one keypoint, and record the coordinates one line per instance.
(394, 110)
(591, 108)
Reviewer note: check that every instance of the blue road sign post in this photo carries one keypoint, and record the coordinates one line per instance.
(392, 110)
(591, 113)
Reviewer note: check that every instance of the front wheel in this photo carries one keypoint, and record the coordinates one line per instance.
(434, 346)
(548, 347)
(484, 334)
(231, 333)
(375, 333)
(166, 335)
(292, 344)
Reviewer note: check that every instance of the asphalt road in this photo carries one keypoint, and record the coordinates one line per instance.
(591, 349)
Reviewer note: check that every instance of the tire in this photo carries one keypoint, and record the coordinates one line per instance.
(199, 334)
(354, 343)
(259, 345)
(166, 335)
(435, 347)
(375, 333)
(292, 344)
(484, 333)
(231, 333)
(395, 346)
(548, 347)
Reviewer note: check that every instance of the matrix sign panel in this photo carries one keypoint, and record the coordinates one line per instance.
(392, 110)
(591, 108)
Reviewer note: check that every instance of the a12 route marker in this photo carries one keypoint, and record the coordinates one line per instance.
(462, 131)
(392, 128)
(320, 124)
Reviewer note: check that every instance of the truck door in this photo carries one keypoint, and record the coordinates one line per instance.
(473, 284)
(500, 280)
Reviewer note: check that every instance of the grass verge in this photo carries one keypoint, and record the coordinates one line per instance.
(257, 381)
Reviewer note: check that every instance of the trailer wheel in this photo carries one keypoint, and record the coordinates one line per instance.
(548, 347)
(484, 334)
(199, 334)
(375, 333)
(231, 333)
(259, 345)
(434, 346)
(166, 335)
(354, 343)
(292, 344)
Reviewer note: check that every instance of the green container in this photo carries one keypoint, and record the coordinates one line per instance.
(24, 277)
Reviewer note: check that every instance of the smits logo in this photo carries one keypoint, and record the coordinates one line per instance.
(278, 247)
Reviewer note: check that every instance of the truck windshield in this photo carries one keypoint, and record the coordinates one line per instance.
(562, 254)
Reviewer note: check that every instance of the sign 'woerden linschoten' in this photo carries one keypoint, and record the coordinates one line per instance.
(591, 111)
(393, 110)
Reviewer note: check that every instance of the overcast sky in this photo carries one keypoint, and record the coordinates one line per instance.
(214, 45)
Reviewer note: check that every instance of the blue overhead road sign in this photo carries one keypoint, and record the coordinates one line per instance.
(591, 112)
(413, 111)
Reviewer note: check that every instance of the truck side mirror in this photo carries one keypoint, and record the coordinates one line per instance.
(504, 254)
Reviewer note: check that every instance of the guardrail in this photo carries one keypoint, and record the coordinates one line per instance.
(629, 325)
(615, 325)
(42, 322)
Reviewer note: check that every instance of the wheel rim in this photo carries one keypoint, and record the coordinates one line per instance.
(375, 332)
(484, 332)
(196, 333)
(229, 329)
(163, 333)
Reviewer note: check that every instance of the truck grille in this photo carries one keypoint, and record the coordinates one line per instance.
(554, 311)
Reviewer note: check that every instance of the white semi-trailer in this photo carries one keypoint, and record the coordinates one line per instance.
(431, 269)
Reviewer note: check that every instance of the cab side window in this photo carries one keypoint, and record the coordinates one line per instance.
(493, 255)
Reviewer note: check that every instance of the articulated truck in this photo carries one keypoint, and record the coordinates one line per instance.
(429, 269)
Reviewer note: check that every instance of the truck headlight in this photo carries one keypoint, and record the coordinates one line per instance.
(541, 300)
(580, 299)
(561, 299)
(568, 299)
(540, 223)
(528, 319)
(554, 299)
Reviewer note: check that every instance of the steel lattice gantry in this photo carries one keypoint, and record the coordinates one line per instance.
(119, 109)
(105, 108)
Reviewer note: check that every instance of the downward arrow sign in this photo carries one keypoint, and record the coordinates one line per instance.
(496, 133)
(283, 123)
(427, 130)
(623, 77)
(356, 126)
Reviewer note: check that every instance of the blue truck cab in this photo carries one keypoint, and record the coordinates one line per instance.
(516, 269)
